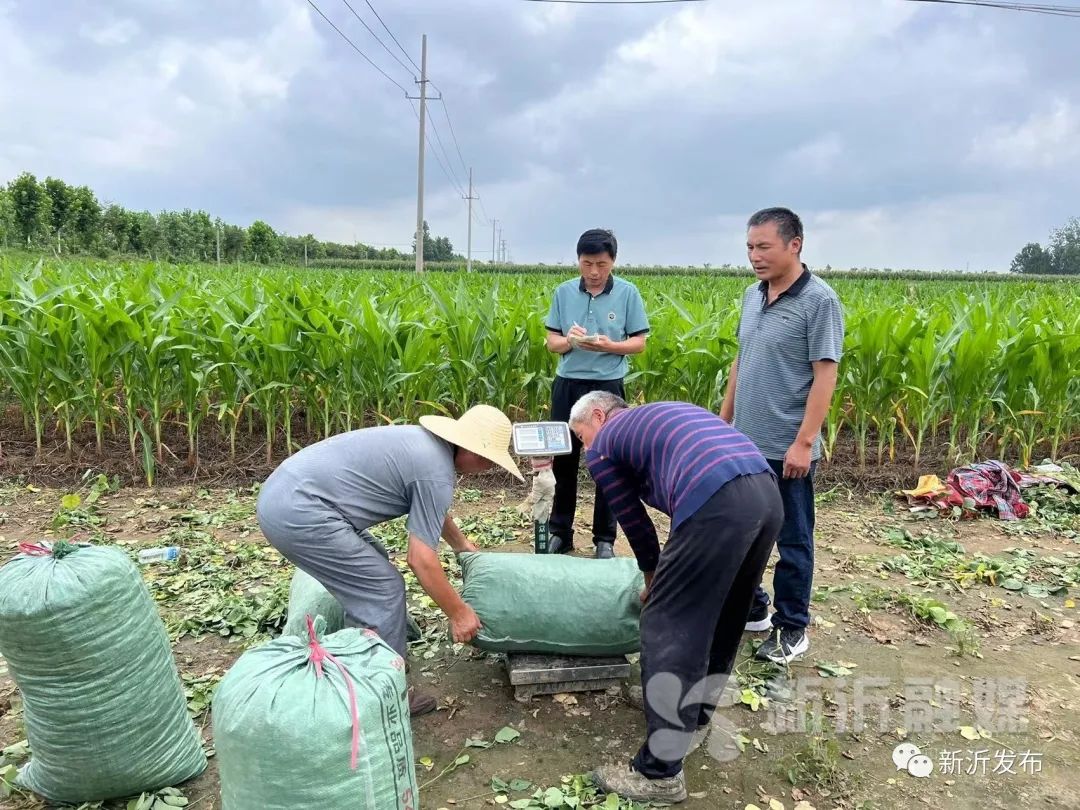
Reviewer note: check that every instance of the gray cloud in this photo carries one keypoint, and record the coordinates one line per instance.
(908, 136)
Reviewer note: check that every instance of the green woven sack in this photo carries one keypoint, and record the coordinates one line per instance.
(104, 709)
(324, 724)
(552, 603)
(307, 597)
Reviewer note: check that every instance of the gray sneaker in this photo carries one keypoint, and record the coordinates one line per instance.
(783, 646)
(630, 784)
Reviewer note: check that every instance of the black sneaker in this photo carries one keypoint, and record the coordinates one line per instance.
(758, 620)
(784, 646)
(556, 545)
(604, 550)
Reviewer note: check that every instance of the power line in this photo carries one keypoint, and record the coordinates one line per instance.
(355, 48)
(446, 155)
(614, 2)
(435, 153)
(1034, 8)
(1031, 8)
(445, 161)
(453, 135)
(377, 39)
(391, 33)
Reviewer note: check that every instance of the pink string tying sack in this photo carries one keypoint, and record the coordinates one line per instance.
(320, 654)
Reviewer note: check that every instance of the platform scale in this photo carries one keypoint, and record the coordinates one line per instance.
(534, 674)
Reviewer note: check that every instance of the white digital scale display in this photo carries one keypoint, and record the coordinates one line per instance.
(541, 438)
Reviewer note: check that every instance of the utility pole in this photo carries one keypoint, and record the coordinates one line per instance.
(420, 160)
(502, 242)
(217, 234)
(494, 225)
(305, 251)
(470, 198)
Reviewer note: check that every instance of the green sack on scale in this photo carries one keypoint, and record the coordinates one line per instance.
(319, 721)
(104, 708)
(552, 603)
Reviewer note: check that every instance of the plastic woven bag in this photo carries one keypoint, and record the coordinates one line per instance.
(307, 597)
(551, 603)
(316, 722)
(104, 708)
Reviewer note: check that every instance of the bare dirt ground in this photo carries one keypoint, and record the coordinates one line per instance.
(895, 600)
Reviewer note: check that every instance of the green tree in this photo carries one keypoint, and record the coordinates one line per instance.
(1065, 248)
(30, 205)
(1032, 259)
(146, 234)
(263, 242)
(7, 218)
(61, 208)
(86, 218)
(442, 250)
(233, 243)
(116, 229)
(436, 249)
(427, 242)
(1060, 257)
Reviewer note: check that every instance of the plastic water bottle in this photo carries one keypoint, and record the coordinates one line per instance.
(152, 555)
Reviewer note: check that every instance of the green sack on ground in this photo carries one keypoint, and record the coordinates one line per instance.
(552, 603)
(286, 735)
(104, 708)
(307, 597)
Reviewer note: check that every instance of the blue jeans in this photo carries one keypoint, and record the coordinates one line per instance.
(793, 579)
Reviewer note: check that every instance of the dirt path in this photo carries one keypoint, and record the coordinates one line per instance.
(996, 657)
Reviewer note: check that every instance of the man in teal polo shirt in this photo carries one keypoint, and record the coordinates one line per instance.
(596, 321)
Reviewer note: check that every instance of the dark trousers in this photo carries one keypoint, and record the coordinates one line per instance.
(564, 393)
(693, 620)
(793, 579)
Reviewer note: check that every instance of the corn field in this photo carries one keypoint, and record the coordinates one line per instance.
(93, 353)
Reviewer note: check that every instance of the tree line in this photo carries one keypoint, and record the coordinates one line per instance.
(53, 216)
(1060, 257)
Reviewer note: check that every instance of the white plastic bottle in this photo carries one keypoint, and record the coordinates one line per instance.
(152, 555)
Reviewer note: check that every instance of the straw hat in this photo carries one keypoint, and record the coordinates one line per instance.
(482, 429)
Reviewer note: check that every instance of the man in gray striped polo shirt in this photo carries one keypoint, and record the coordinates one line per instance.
(791, 336)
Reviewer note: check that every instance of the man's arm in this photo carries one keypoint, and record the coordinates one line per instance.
(632, 345)
(455, 537)
(727, 407)
(424, 562)
(623, 495)
(797, 458)
(557, 342)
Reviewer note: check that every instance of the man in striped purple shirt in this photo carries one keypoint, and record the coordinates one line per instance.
(726, 512)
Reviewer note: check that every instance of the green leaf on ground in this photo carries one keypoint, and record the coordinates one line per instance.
(507, 734)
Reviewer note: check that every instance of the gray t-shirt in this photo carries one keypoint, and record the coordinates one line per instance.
(370, 476)
(778, 346)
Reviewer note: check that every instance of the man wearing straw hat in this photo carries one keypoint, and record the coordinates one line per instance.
(316, 509)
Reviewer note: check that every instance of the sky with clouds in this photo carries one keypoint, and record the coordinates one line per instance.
(906, 134)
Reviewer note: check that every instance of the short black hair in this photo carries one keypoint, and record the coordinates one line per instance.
(597, 240)
(788, 224)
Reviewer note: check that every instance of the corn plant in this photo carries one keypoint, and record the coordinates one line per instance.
(130, 351)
